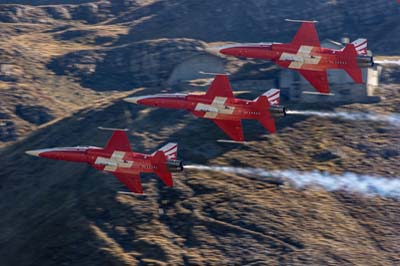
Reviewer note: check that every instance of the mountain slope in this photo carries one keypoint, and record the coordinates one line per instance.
(59, 58)
(258, 21)
(64, 67)
(72, 214)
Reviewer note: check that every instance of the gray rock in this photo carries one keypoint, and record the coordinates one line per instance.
(34, 114)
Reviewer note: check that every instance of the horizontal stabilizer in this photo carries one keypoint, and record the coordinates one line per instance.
(268, 123)
(170, 150)
(355, 74)
(273, 96)
(165, 176)
(159, 160)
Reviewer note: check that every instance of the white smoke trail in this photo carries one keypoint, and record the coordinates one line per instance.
(388, 62)
(364, 184)
(393, 119)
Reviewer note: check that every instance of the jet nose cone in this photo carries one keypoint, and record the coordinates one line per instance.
(214, 50)
(225, 50)
(220, 49)
(34, 152)
(132, 99)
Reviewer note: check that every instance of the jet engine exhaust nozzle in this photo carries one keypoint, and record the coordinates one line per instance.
(364, 61)
(278, 111)
(174, 165)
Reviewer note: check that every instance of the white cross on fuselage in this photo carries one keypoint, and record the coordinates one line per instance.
(302, 57)
(115, 161)
(216, 107)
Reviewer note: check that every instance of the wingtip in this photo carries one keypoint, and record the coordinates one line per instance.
(301, 21)
(139, 193)
(112, 129)
(214, 74)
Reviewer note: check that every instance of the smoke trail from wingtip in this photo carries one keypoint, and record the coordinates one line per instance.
(393, 119)
(364, 184)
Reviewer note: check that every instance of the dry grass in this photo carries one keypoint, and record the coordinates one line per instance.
(58, 213)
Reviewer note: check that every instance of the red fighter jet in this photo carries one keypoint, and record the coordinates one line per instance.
(118, 158)
(219, 105)
(305, 55)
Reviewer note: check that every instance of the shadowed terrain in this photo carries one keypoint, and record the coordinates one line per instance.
(66, 65)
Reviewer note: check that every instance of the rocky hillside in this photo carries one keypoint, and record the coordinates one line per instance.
(63, 56)
(217, 21)
(264, 20)
(73, 215)
(64, 67)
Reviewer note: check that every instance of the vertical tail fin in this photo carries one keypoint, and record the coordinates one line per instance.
(273, 96)
(361, 46)
(170, 150)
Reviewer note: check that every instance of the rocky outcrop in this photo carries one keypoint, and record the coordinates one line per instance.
(217, 21)
(10, 72)
(147, 63)
(48, 14)
(46, 2)
(7, 131)
(391, 73)
(56, 213)
(48, 11)
(257, 21)
(206, 218)
(33, 114)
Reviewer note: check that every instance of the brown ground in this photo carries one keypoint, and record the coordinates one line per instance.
(63, 58)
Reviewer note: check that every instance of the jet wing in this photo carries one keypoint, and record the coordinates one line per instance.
(220, 87)
(132, 181)
(119, 141)
(232, 128)
(306, 35)
(165, 176)
(318, 79)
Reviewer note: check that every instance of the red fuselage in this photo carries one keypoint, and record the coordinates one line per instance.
(293, 56)
(117, 161)
(219, 108)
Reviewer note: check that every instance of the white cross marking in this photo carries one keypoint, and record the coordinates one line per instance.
(302, 57)
(216, 107)
(114, 162)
